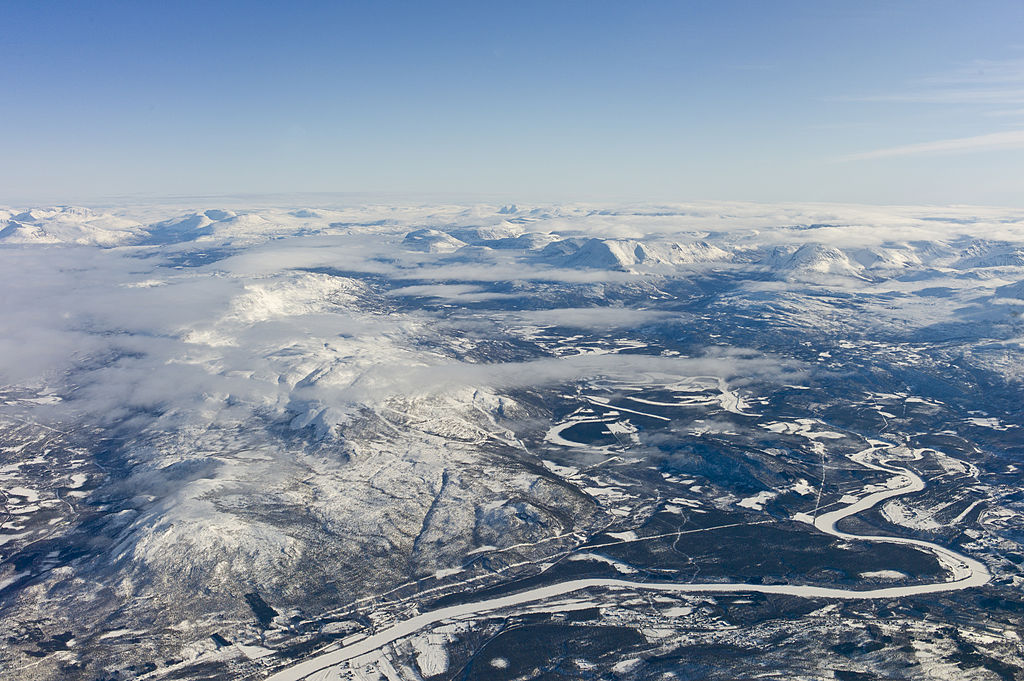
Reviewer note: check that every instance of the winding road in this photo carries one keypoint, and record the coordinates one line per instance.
(964, 572)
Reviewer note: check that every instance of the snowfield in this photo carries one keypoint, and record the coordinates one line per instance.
(263, 441)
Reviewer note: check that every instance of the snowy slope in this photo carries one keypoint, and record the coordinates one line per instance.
(812, 259)
(322, 404)
(68, 225)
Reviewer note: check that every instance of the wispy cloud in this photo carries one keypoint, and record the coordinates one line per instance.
(1010, 139)
(982, 72)
(1002, 113)
(596, 318)
(985, 89)
(980, 82)
(951, 95)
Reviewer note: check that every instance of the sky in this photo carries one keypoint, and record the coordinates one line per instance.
(870, 102)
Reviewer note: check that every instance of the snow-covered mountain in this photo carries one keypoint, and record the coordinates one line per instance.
(68, 225)
(626, 254)
(982, 254)
(812, 259)
(891, 258)
(234, 436)
(432, 241)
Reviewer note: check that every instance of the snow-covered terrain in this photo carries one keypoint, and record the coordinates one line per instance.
(234, 437)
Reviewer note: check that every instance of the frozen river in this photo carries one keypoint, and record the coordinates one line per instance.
(964, 573)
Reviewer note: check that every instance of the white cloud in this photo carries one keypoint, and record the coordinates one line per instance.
(979, 82)
(983, 72)
(462, 293)
(953, 95)
(252, 332)
(1010, 139)
(596, 318)
(446, 376)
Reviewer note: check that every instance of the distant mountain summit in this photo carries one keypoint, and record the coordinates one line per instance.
(431, 241)
(812, 259)
(625, 254)
(68, 225)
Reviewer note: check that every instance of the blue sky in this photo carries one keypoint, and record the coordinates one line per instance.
(877, 102)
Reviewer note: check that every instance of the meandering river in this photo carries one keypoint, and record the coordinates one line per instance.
(964, 572)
